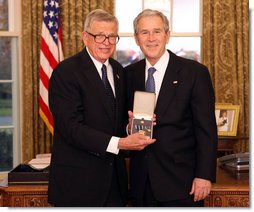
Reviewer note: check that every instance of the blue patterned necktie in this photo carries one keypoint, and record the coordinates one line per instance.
(108, 88)
(150, 84)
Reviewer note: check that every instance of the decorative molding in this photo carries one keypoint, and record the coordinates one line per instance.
(228, 199)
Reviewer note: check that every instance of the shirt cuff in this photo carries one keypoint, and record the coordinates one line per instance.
(113, 145)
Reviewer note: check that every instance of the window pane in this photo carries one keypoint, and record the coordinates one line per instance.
(127, 51)
(5, 104)
(161, 5)
(126, 11)
(4, 15)
(5, 57)
(6, 150)
(186, 16)
(188, 47)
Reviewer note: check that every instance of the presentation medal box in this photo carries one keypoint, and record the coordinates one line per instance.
(143, 110)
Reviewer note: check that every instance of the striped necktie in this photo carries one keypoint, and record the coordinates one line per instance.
(108, 89)
(150, 84)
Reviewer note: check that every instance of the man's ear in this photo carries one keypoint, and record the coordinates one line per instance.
(84, 37)
(136, 39)
(168, 36)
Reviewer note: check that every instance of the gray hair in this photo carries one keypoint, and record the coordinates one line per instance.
(99, 15)
(148, 13)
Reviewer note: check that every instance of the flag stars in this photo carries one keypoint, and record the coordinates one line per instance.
(51, 13)
(56, 15)
(56, 25)
(52, 3)
(50, 24)
(51, 17)
(45, 4)
(55, 35)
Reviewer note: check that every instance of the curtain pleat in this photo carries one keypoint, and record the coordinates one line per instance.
(225, 50)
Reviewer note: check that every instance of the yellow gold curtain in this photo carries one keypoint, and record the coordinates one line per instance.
(225, 50)
(36, 138)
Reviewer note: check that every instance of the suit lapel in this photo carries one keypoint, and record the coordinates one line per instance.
(139, 76)
(169, 85)
(116, 76)
(137, 81)
(118, 93)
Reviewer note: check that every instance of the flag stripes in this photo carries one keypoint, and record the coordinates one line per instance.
(50, 55)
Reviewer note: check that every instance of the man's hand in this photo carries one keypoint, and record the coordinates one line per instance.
(200, 188)
(135, 141)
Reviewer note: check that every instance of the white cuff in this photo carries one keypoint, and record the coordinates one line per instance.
(113, 145)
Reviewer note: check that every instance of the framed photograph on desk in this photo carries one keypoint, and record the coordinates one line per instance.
(227, 116)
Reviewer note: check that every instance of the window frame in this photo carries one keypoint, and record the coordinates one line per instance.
(14, 32)
(176, 34)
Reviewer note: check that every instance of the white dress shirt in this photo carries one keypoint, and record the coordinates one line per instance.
(158, 75)
(113, 143)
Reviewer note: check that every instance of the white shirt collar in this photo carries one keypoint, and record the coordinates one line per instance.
(162, 63)
(97, 64)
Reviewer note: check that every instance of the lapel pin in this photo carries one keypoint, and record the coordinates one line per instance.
(175, 82)
(117, 76)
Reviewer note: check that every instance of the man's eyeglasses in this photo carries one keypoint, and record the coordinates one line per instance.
(100, 38)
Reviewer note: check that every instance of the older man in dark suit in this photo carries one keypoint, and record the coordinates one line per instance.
(178, 169)
(87, 100)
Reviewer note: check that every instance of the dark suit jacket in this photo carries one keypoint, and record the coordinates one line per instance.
(81, 169)
(186, 132)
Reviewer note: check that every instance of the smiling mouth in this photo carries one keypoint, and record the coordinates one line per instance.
(105, 49)
(152, 45)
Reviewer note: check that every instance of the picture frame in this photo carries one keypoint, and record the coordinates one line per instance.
(227, 116)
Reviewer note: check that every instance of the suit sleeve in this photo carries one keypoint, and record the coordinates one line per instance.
(203, 110)
(65, 101)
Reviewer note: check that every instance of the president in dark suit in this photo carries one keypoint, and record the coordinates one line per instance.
(178, 169)
(87, 100)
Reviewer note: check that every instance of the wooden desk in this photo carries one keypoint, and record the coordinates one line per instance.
(230, 190)
(226, 144)
(227, 192)
(24, 196)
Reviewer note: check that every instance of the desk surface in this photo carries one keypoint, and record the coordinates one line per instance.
(230, 190)
(228, 179)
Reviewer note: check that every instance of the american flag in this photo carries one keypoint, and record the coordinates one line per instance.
(51, 54)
